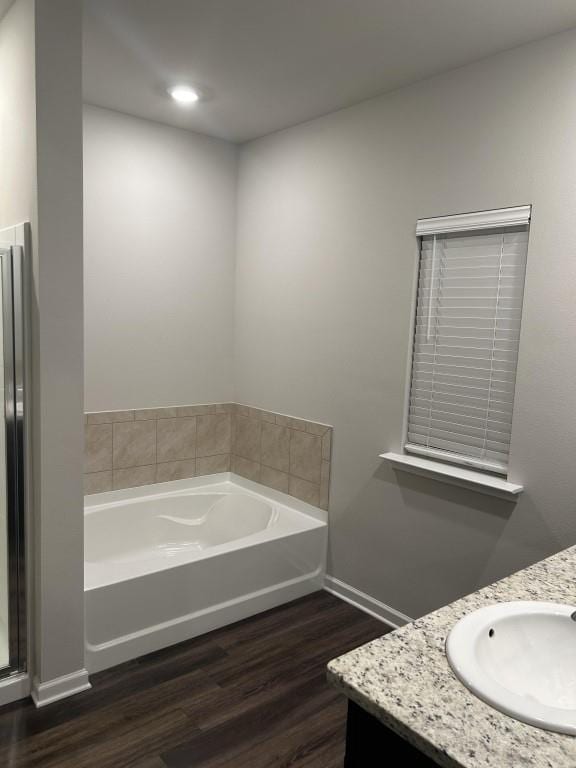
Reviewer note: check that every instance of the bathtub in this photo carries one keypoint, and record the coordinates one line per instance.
(167, 562)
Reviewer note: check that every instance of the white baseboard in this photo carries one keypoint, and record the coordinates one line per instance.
(59, 688)
(365, 603)
(14, 688)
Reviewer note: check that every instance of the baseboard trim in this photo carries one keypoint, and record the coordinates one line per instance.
(59, 688)
(365, 603)
(14, 688)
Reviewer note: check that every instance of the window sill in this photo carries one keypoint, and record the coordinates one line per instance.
(466, 478)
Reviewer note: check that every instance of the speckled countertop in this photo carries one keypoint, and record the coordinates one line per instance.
(404, 680)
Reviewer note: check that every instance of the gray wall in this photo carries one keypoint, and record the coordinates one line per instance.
(160, 218)
(41, 181)
(57, 342)
(17, 184)
(325, 280)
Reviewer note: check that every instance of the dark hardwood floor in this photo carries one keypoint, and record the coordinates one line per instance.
(251, 695)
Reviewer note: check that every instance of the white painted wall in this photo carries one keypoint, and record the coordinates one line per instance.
(41, 181)
(17, 194)
(57, 344)
(160, 219)
(17, 115)
(325, 279)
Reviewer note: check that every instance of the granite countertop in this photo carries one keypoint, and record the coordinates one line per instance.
(404, 680)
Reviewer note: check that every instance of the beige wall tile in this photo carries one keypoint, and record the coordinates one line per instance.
(133, 477)
(214, 434)
(305, 456)
(272, 478)
(109, 417)
(290, 421)
(327, 445)
(199, 410)
(224, 408)
(211, 465)
(275, 446)
(316, 429)
(176, 439)
(97, 447)
(254, 413)
(305, 491)
(246, 468)
(134, 444)
(98, 482)
(247, 438)
(161, 444)
(175, 470)
(146, 414)
(324, 485)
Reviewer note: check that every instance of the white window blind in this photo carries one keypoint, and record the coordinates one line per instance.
(468, 313)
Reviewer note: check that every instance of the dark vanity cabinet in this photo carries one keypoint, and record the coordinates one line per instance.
(369, 744)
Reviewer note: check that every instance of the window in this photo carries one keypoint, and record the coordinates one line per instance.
(466, 336)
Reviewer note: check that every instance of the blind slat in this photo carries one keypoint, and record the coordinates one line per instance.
(466, 337)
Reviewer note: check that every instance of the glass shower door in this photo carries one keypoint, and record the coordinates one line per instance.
(12, 589)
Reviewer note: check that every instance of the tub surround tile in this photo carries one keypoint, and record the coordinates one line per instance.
(147, 414)
(134, 444)
(97, 447)
(175, 439)
(290, 421)
(247, 438)
(214, 434)
(325, 485)
(317, 429)
(275, 446)
(306, 456)
(273, 478)
(283, 452)
(98, 482)
(133, 477)
(327, 445)
(213, 465)
(175, 470)
(305, 491)
(109, 417)
(246, 468)
(204, 410)
(405, 681)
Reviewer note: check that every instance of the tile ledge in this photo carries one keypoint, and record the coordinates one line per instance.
(465, 478)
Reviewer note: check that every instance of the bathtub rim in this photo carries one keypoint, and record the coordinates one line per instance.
(207, 481)
(96, 574)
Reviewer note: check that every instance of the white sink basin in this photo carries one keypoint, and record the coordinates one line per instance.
(521, 659)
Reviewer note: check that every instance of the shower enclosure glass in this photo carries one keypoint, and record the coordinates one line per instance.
(12, 589)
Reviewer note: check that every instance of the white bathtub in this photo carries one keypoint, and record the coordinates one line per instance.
(167, 562)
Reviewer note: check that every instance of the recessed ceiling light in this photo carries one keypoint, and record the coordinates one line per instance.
(183, 94)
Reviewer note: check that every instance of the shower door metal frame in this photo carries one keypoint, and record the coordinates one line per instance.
(12, 266)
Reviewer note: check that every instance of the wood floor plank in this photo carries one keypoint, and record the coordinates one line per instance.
(241, 733)
(327, 637)
(315, 743)
(286, 618)
(250, 695)
(137, 677)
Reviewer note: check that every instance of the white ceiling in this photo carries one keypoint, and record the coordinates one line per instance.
(266, 64)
